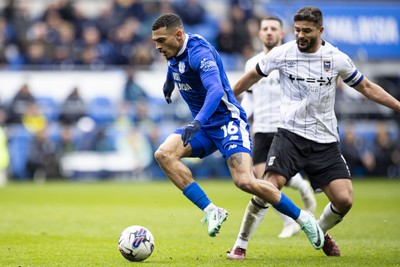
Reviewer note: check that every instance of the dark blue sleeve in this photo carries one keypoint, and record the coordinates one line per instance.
(202, 59)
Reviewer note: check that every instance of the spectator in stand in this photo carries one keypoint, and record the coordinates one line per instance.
(197, 14)
(34, 119)
(384, 151)
(3, 114)
(73, 108)
(246, 6)
(4, 153)
(16, 13)
(129, 8)
(93, 51)
(67, 142)
(353, 150)
(142, 56)
(101, 142)
(19, 104)
(233, 40)
(133, 92)
(36, 55)
(9, 50)
(53, 20)
(225, 39)
(39, 50)
(42, 157)
(124, 39)
(241, 35)
(64, 53)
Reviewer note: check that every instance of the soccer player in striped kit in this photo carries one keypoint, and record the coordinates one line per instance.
(262, 103)
(308, 138)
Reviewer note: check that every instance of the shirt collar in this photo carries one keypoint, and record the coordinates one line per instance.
(184, 45)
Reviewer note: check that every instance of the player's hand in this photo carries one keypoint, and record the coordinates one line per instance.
(189, 131)
(168, 88)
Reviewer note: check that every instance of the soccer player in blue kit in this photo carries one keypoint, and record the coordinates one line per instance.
(195, 67)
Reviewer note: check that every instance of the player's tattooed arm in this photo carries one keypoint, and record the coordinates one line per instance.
(235, 158)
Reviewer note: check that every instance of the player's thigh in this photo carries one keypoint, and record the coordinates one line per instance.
(240, 166)
(326, 164)
(172, 147)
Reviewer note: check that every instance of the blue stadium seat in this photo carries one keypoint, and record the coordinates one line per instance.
(156, 108)
(18, 146)
(102, 110)
(49, 106)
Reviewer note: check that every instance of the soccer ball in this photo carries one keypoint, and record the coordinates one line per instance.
(136, 243)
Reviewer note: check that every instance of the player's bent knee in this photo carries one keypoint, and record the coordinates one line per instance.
(161, 156)
(243, 184)
(344, 204)
(347, 203)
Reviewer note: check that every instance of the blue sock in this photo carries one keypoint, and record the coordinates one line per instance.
(287, 207)
(195, 194)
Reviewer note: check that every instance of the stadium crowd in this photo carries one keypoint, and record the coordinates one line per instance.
(61, 37)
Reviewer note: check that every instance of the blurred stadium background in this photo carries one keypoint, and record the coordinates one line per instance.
(81, 83)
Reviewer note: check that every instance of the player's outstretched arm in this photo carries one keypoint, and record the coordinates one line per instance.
(246, 81)
(377, 94)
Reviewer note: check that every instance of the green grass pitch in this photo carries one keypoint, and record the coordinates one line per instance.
(78, 224)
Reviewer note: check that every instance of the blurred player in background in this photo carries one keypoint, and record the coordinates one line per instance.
(219, 123)
(308, 137)
(262, 102)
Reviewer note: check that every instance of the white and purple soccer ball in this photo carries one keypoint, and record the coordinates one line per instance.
(136, 243)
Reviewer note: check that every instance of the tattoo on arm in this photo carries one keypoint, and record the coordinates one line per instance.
(236, 157)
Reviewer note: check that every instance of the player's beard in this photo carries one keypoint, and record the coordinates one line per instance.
(311, 43)
(270, 45)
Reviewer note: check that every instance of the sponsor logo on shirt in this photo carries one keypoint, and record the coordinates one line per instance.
(321, 80)
(184, 86)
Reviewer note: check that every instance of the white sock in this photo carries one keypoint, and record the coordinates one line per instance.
(297, 182)
(304, 216)
(209, 207)
(329, 218)
(254, 214)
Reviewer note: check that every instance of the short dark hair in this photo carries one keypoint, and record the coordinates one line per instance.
(309, 13)
(168, 20)
(272, 18)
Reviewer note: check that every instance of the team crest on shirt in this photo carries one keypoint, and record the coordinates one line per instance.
(327, 65)
(182, 67)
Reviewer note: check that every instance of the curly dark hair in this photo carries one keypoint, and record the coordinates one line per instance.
(309, 13)
(168, 20)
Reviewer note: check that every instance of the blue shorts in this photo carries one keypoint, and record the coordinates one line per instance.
(234, 137)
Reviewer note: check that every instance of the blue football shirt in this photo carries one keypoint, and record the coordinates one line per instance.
(199, 75)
